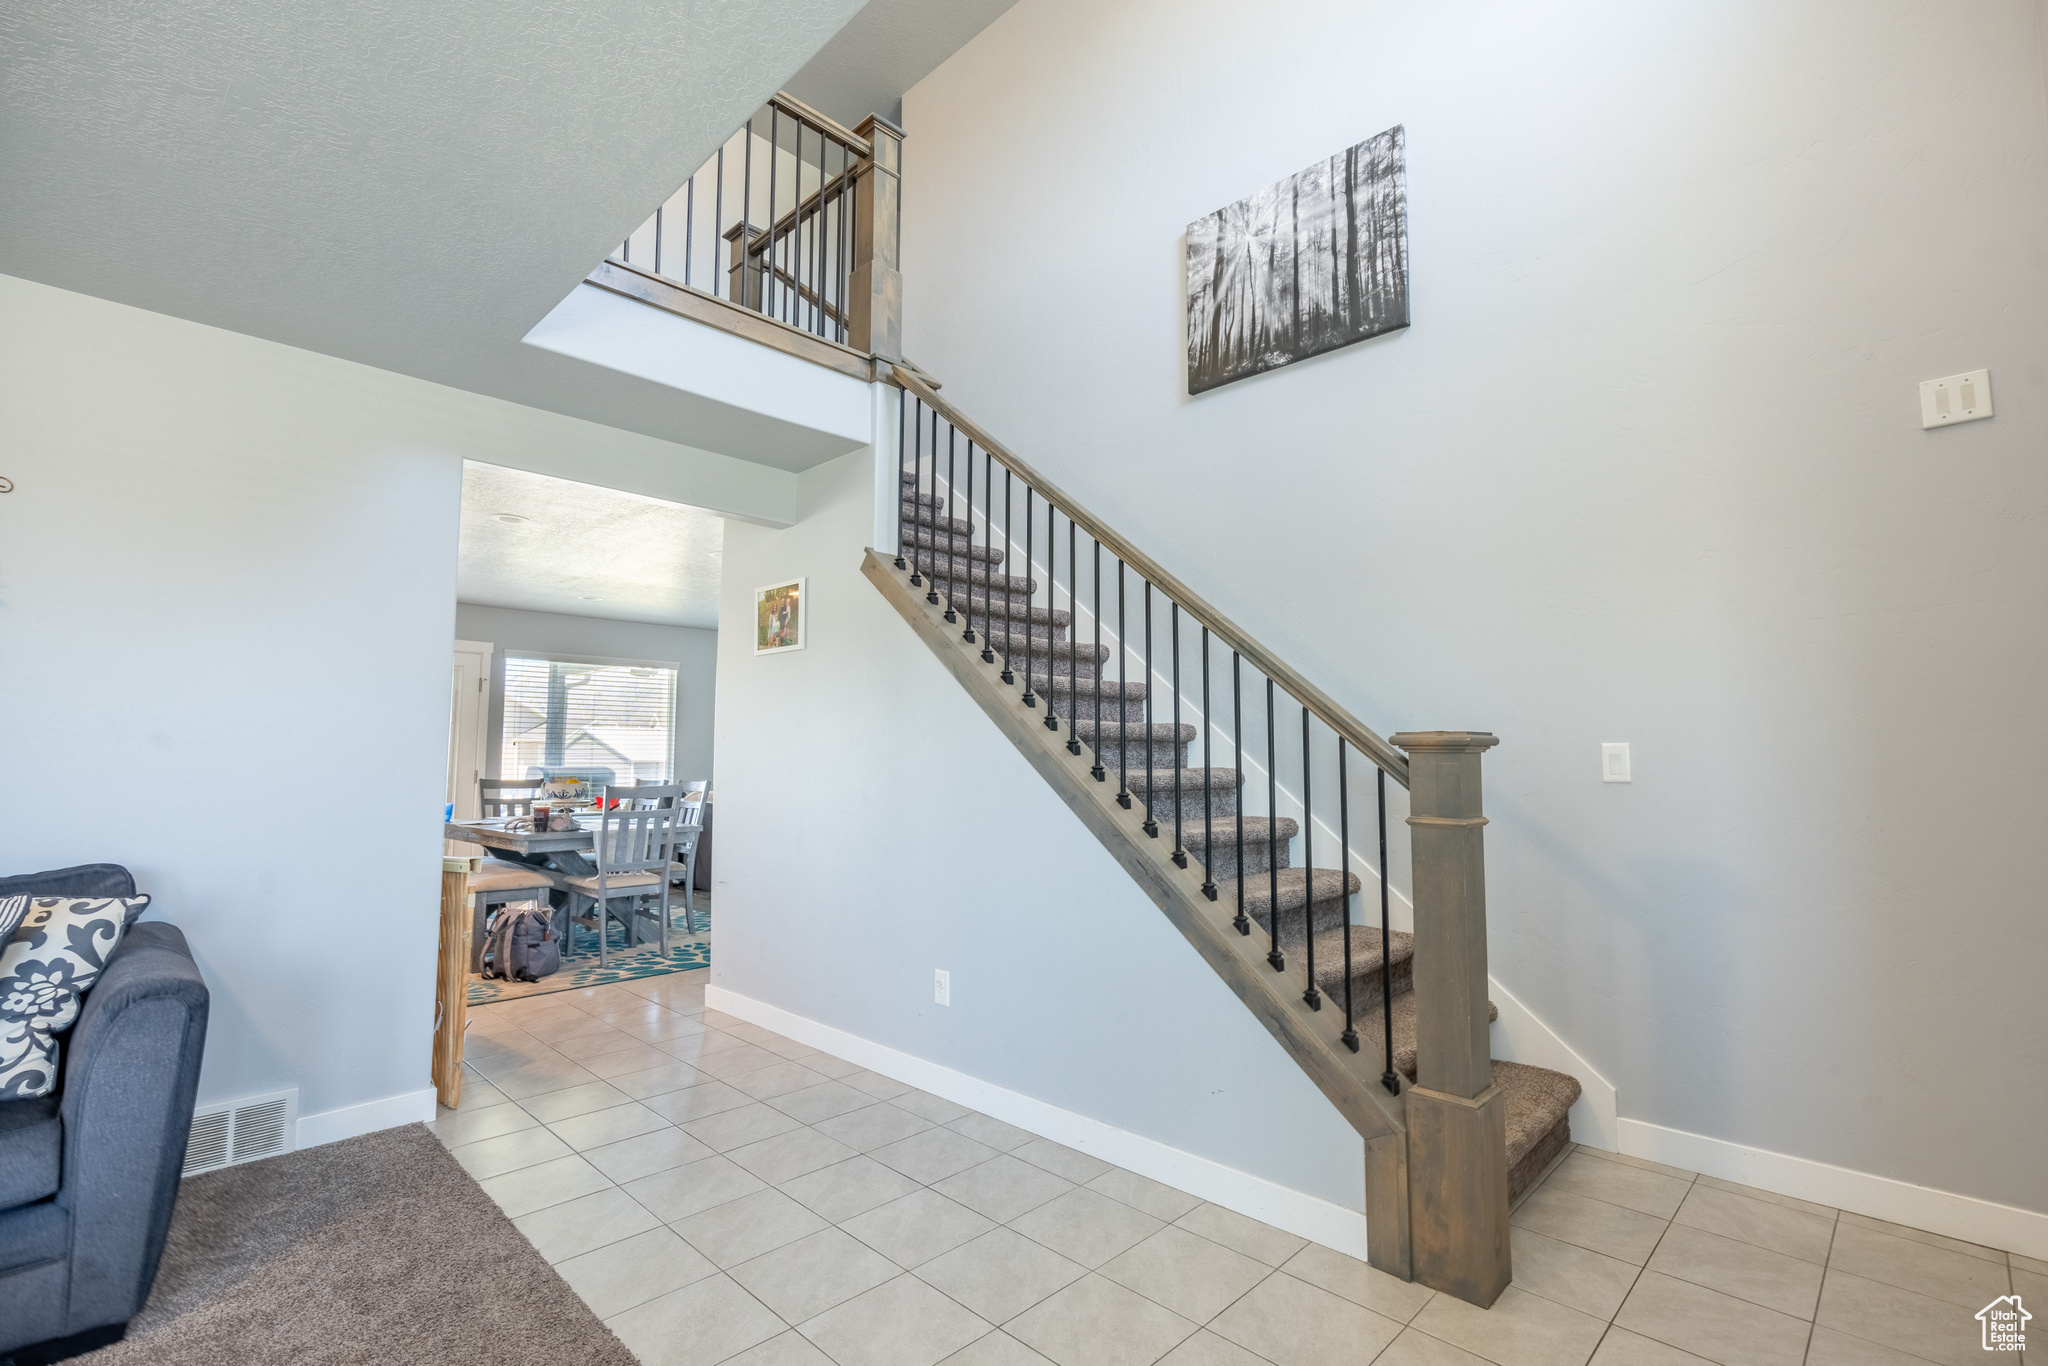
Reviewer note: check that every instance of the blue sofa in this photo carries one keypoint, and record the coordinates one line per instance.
(88, 1175)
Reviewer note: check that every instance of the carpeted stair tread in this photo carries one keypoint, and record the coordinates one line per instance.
(1005, 606)
(1156, 745)
(953, 569)
(1222, 794)
(1539, 1119)
(1118, 732)
(1256, 847)
(1368, 1024)
(1330, 888)
(1065, 657)
(952, 545)
(928, 516)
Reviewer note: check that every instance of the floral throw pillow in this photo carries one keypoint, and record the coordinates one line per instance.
(58, 948)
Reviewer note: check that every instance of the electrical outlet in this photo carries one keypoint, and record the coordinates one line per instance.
(942, 987)
(1958, 398)
(1614, 762)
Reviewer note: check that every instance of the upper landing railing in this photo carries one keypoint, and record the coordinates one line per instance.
(795, 218)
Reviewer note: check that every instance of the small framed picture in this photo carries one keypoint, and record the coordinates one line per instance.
(779, 623)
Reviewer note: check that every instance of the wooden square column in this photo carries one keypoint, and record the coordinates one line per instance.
(875, 293)
(1457, 1120)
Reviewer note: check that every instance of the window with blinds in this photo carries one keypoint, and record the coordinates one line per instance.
(604, 723)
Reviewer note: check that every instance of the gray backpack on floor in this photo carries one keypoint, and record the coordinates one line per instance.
(522, 946)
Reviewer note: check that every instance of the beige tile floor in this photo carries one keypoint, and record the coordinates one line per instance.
(719, 1193)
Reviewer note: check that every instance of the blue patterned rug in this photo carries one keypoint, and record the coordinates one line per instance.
(580, 969)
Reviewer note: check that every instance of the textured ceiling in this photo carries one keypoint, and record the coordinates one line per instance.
(888, 47)
(586, 551)
(412, 186)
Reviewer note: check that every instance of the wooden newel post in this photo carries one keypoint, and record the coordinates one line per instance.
(1457, 1120)
(745, 270)
(875, 293)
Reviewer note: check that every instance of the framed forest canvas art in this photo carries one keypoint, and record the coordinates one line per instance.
(1313, 263)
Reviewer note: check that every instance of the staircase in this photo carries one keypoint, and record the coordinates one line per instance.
(1069, 676)
(1391, 1026)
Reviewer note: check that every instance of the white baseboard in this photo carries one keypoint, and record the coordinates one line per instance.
(1518, 1036)
(2006, 1228)
(330, 1126)
(1305, 1216)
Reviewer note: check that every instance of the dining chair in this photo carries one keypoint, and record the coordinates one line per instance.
(498, 798)
(689, 830)
(634, 847)
(691, 798)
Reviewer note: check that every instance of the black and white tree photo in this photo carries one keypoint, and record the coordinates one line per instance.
(1313, 263)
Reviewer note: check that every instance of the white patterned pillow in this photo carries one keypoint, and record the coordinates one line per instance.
(57, 953)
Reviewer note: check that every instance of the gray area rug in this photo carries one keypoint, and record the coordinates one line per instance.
(375, 1249)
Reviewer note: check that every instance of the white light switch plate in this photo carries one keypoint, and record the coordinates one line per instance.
(1614, 762)
(942, 987)
(1958, 398)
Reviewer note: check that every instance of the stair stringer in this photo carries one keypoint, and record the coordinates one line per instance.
(1347, 1080)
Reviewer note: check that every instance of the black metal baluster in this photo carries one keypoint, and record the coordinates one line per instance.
(1243, 925)
(846, 248)
(657, 238)
(717, 213)
(902, 489)
(916, 490)
(943, 534)
(1208, 767)
(1123, 724)
(1308, 868)
(1009, 620)
(1074, 639)
(774, 174)
(1389, 1078)
(1180, 853)
(1344, 867)
(746, 257)
(1095, 588)
(968, 634)
(690, 240)
(932, 594)
(1029, 699)
(1052, 602)
(822, 233)
(818, 246)
(988, 536)
(1273, 955)
(1151, 826)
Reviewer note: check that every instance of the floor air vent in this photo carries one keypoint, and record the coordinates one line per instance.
(241, 1131)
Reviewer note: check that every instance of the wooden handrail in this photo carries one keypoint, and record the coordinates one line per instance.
(807, 208)
(1361, 737)
(797, 109)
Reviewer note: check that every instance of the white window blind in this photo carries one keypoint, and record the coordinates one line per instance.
(605, 723)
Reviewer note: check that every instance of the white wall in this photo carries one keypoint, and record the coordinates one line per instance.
(1647, 468)
(874, 825)
(227, 595)
(693, 651)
